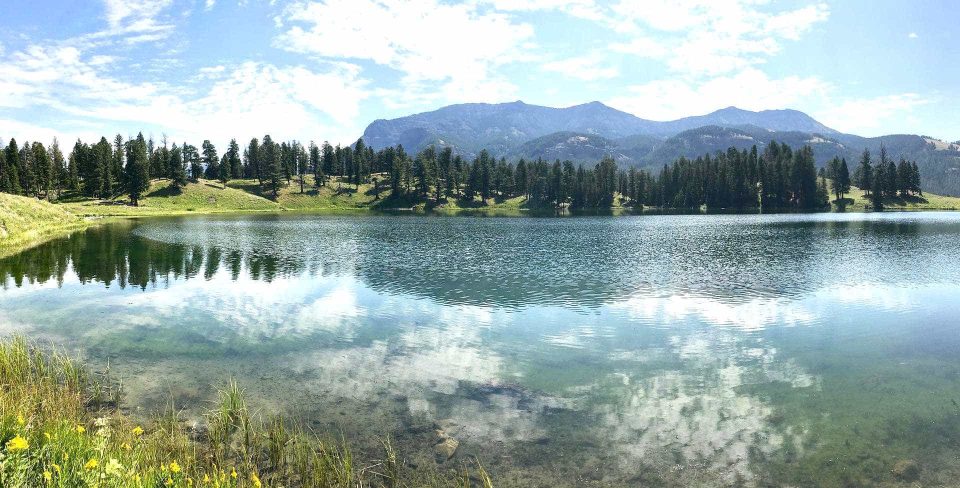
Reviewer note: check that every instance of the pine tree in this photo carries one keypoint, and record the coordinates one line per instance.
(863, 176)
(103, 154)
(192, 159)
(841, 183)
(233, 157)
(303, 162)
(179, 177)
(253, 161)
(317, 165)
(116, 164)
(271, 163)
(210, 160)
(4, 173)
(138, 169)
(224, 170)
(44, 169)
(60, 176)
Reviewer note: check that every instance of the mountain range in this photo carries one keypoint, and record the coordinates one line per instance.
(588, 132)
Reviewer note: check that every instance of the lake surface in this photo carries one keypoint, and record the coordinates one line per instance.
(592, 351)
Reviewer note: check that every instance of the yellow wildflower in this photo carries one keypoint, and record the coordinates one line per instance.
(80, 429)
(126, 446)
(255, 480)
(91, 464)
(169, 481)
(47, 435)
(189, 481)
(137, 431)
(47, 476)
(17, 444)
(233, 473)
(56, 467)
(21, 420)
(206, 478)
(174, 467)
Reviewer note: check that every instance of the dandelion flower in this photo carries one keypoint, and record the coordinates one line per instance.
(174, 467)
(48, 477)
(255, 480)
(80, 429)
(17, 444)
(206, 478)
(21, 420)
(169, 481)
(137, 431)
(233, 473)
(91, 464)
(56, 467)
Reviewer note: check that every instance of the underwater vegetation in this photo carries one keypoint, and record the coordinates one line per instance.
(64, 426)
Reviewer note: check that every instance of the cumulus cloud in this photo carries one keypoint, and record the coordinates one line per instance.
(709, 38)
(454, 45)
(297, 101)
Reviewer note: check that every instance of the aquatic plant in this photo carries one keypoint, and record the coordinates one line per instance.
(56, 429)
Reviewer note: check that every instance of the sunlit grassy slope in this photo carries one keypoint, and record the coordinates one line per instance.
(856, 201)
(24, 220)
(163, 199)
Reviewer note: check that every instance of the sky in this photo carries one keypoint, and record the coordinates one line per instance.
(324, 69)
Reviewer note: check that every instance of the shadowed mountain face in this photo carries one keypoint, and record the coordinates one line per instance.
(588, 132)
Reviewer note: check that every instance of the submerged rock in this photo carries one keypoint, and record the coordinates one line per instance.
(446, 448)
(906, 470)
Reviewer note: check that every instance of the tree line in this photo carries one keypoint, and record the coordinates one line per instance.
(883, 179)
(777, 177)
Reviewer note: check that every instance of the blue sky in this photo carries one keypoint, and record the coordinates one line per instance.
(322, 70)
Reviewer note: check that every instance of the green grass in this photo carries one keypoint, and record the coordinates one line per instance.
(163, 199)
(25, 221)
(855, 201)
(62, 426)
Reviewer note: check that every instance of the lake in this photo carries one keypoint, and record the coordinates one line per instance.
(816, 349)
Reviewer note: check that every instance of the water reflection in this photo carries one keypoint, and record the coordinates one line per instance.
(622, 351)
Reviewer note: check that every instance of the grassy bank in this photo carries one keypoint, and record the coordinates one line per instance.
(856, 201)
(62, 426)
(25, 221)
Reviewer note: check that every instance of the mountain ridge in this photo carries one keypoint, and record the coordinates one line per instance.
(589, 131)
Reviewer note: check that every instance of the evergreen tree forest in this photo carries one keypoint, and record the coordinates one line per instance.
(778, 177)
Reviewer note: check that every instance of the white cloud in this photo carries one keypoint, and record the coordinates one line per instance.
(586, 9)
(455, 46)
(208, 5)
(865, 115)
(749, 89)
(708, 38)
(136, 17)
(242, 102)
(913, 35)
(586, 68)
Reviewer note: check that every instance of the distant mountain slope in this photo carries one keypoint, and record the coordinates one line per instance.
(573, 146)
(777, 120)
(588, 132)
(499, 128)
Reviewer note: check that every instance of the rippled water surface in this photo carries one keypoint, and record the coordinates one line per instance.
(804, 350)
